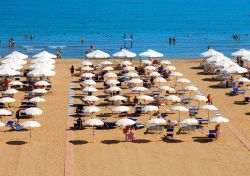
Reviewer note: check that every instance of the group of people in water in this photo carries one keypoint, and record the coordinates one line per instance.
(171, 40)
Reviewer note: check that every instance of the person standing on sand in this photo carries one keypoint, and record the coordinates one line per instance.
(209, 99)
(58, 54)
(6, 83)
(92, 46)
(72, 70)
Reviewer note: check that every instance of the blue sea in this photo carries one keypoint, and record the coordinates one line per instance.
(61, 24)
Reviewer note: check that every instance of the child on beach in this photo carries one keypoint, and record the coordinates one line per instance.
(131, 133)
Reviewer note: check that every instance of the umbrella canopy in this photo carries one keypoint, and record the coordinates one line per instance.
(106, 63)
(89, 82)
(179, 108)
(146, 62)
(189, 121)
(13, 61)
(129, 68)
(89, 89)
(170, 68)
(9, 72)
(150, 68)
(176, 74)
(42, 83)
(124, 54)
(94, 122)
(36, 99)
(173, 98)
(191, 88)
(2, 124)
(200, 98)
(125, 122)
(33, 111)
(7, 100)
(16, 54)
(183, 80)
(114, 89)
(117, 98)
(110, 75)
(160, 80)
(157, 121)
(11, 65)
(87, 75)
(241, 53)
(5, 112)
(119, 109)
(209, 107)
(210, 52)
(167, 88)
(135, 81)
(90, 98)
(165, 62)
(42, 66)
(219, 119)
(41, 73)
(108, 68)
(131, 74)
(150, 108)
(30, 124)
(217, 58)
(86, 63)
(91, 109)
(126, 63)
(112, 82)
(97, 54)
(146, 98)
(87, 68)
(43, 60)
(39, 91)
(235, 69)
(139, 89)
(44, 54)
(243, 80)
(151, 54)
(10, 91)
(155, 74)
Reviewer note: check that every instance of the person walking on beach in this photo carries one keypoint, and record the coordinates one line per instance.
(72, 70)
(58, 54)
(131, 133)
(209, 99)
(92, 46)
(6, 83)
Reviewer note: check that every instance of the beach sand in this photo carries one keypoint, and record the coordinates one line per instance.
(44, 153)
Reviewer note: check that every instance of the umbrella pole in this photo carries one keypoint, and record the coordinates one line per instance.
(156, 133)
(93, 134)
(30, 132)
(1, 118)
(179, 118)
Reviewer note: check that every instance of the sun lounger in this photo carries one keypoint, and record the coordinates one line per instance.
(152, 129)
(169, 134)
(14, 126)
(184, 129)
(108, 125)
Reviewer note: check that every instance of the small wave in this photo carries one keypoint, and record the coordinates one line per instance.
(56, 47)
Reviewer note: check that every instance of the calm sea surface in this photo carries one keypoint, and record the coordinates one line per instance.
(62, 24)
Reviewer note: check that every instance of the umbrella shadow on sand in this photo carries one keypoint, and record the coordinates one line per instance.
(108, 142)
(78, 142)
(141, 141)
(172, 141)
(202, 139)
(16, 142)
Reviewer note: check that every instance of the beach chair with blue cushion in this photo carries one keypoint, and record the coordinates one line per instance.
(185, 129)
(154, 129)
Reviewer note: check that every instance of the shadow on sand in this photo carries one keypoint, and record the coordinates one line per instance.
(141, 141)
(108, 142)
(172, 141)
(16, 142)
(202, 140)
(78, 142)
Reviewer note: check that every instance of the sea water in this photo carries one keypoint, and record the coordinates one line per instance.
(61, 24)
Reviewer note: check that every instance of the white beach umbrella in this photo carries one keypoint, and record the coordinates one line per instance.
(209, 108)
(90, 98)
(4, 112)
(131, 74)
(91, 109)
(2, 124)
(119, 109)
(156, 121)
(125, 122)
(146, 62)
(149, 68)
(108, 68)
(145, 98)
(42, 66)
(155, 74)
(16, 83)
(200, 98)
(87, 75)
(86, 63)
(219, 119)
(139, 89)
(9, 72)
(124, 54)
(87, 68)
(217, 58)
(89, 82)
(179, 109)
(167, 88)
(97, 54)
(170, 68)
(210, 52)
(165, 62)
(191, 89)
(160, 80)
(151, 54)
(41, 73)
(112, 82)
(117, 98)
(173, 98)
(245, 80)
(7, 100)
(33, 111)
(189, 121)
(241, 53)
(235, 70)
(43, 60)
(150, 108)
(94, 122)
(30, 124)
(176, 74)
(42, 83)
(39, 91)
(114, 89)
(11, 65)
(129, 68)
(44, 54)
(110, 75)
(89, 89)
(106, 63)
(10, 91)
(246, 58)
(183, 80)
(36, 99)
(135, 81)
(126, 63)
(16, 54)
(14, 61)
